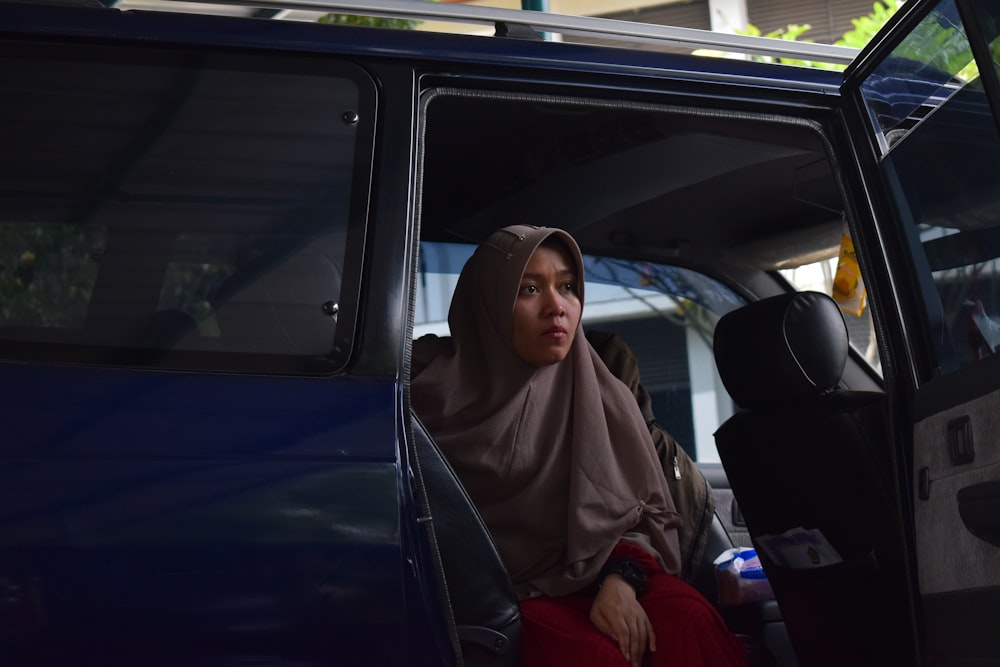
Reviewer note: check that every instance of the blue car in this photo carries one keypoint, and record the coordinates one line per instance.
(220, 234)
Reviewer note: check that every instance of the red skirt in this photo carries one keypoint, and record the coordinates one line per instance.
(689, 630)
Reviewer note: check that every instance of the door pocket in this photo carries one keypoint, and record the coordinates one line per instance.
(979, 507)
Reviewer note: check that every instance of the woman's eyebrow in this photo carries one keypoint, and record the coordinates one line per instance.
(561, 273)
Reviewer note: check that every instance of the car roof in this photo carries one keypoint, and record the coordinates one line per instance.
(449, 16)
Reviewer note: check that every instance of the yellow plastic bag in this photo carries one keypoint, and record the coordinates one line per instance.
(848, 286)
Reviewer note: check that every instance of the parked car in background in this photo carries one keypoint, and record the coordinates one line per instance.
(220, 235)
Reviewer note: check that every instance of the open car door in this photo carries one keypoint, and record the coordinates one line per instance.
(927, 94)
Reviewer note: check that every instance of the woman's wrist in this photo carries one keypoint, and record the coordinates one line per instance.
(630, 571)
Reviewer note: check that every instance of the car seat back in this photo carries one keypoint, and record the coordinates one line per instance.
(472, 579)
(804, 455)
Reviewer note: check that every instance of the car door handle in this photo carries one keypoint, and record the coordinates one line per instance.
(979, 507)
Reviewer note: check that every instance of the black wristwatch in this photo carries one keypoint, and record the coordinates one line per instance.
(629, 570)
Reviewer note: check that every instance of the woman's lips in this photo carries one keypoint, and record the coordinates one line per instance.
(556, 332)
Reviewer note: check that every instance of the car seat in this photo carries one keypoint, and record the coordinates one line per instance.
(804, 455)
(472, 581)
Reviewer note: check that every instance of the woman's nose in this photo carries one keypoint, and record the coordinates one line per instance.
(554, 304)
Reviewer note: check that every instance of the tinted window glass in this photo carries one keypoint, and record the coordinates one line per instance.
(47, 273)
(180, 209)
(942, 156)
(920, 75)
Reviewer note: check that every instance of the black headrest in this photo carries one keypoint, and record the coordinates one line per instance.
(781, 349)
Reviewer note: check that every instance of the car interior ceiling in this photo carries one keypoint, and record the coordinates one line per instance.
(683, 186)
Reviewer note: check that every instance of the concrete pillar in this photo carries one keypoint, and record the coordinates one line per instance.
(710, 403)
(728, 15)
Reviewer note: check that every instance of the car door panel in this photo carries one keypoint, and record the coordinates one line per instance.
(931, 110)
(952, 557)
(957, 468)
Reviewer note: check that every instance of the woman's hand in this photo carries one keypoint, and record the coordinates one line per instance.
(617, 613)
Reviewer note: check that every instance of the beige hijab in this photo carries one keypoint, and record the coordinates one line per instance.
(557, 459)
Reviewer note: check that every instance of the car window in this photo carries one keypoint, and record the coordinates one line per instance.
(666, 314)
(177, 209)
(940, 153)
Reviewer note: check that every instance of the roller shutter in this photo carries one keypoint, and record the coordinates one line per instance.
(683, 14)
(829, 19)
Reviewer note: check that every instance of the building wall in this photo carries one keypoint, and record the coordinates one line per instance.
(829, 19)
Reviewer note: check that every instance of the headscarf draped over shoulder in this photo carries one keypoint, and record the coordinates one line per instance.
(557, 459)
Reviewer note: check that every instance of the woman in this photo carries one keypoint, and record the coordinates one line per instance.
(555, 454)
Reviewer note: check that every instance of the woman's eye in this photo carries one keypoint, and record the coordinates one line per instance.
(529, 289)
(569, 287)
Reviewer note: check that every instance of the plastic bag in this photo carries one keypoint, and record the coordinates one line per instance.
(848, 286)
(740, 577)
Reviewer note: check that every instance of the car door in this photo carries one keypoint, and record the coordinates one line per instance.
(200, 457)
(927, 95)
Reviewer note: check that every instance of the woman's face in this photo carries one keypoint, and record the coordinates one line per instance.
(547, 310)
